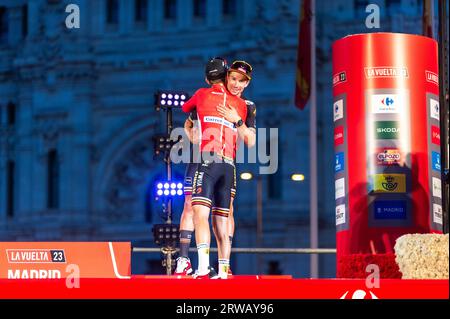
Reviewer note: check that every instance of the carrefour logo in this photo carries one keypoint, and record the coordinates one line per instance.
(387, 130)
(386, 103)
(338, 107)
(390, 183)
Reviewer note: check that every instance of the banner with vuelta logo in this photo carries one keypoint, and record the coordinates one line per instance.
(54, 260)
(386, 115)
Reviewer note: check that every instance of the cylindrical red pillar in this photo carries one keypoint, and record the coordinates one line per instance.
(386, 139)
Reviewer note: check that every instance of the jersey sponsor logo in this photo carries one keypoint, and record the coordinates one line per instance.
(390, 183)
(437, 191)
(220, 121)
(339, 78)
(217, 93)
(432, 77)
(434, 109)
(436, 161)
(385, 72)
(388, 156)
(390, 209)
(437, 214)
(339, 188)
(338, 109)
(387, 130)
(435, 135)
(340, 214)
(386, 103)
(339, 162)
(35, 256)
(338, 135)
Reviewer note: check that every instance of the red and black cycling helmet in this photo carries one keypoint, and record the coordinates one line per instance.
(216, 69)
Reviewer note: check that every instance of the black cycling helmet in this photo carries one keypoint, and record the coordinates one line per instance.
(216, 69)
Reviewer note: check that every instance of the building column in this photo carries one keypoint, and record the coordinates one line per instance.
(15, 25)
(33, 18)
(184, 13)
(155, 15)
(213, 13)
(125, 16)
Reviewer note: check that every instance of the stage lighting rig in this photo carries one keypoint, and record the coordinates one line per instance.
(170, 99)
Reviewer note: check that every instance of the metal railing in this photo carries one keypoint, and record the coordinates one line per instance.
(252, 250)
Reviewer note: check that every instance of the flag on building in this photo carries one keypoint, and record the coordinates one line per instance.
(427, 18)
(303, 78)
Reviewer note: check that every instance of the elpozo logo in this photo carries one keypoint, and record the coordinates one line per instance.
(387, 130)
(390, 183)
(388, 156)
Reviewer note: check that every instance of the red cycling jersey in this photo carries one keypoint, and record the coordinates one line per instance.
(217, 134)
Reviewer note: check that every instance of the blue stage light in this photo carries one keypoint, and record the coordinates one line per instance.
(169, 188)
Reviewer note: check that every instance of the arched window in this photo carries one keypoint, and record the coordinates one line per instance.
(10, 180)
(11, 114)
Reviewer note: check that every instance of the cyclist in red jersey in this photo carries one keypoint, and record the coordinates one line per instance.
(214, 177)
(215, 69)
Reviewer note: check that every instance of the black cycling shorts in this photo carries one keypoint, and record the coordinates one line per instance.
(189, 175)
(191, 168)
(212, 187)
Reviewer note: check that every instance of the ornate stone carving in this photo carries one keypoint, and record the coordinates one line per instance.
(129, 175)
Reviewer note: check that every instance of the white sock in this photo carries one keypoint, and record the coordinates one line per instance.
(224, 265)
(203, 258)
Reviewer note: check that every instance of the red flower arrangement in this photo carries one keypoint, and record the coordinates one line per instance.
(354, 265)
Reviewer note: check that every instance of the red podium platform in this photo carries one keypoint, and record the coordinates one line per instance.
(239, 287)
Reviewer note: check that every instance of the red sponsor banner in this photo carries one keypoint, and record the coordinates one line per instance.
(435, 135)
(404, 67)
(247, 287)
(338, 135)
(54, 260)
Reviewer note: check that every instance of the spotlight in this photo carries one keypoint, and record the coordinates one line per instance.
(166, 234)
(169, 99)
(246, 176)
(168, 189)
(298, 177)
